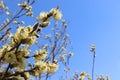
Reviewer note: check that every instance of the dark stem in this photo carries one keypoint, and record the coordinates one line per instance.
(39, 76)
(6, 32)
(66, 75)
(55, 44)
(93, 65)
(6, 72)
(47, 76)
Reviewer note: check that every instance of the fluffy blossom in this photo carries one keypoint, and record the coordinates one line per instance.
(4, 49)
(28, 8)
(83, 75)
(1, 53)
(43, 16)
(41, 55)
(41, 67)
(24, 4)
(92, 47)
(23, 35)
(44, 24)
(52, 67)
(2, 4)
(23, 52)
(57, 15)
(27, 75)
(21, 63)
(10, 57)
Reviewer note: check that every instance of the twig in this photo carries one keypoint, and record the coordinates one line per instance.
(93, 65)
(6, 32)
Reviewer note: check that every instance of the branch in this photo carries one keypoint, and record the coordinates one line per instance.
(6, 32)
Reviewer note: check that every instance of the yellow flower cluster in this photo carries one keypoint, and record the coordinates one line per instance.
(45, 16)
(92, 47)
(23, 35)
(24, 4)
(57, 15)
(41, 55)
(102, 77)
(10, 57)
(27, 75)
(83, 75)
(45, 67)
(2, 4)
(4, 49)
(13, 57)
(22, 52)
(52, 67)
(16, 60)
(21, 55)
(27, 7)
(41, 67)
(20, 64)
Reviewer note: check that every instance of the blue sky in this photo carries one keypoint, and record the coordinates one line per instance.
(90, 22)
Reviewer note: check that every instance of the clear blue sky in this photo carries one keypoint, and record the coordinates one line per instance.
(90, 21)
